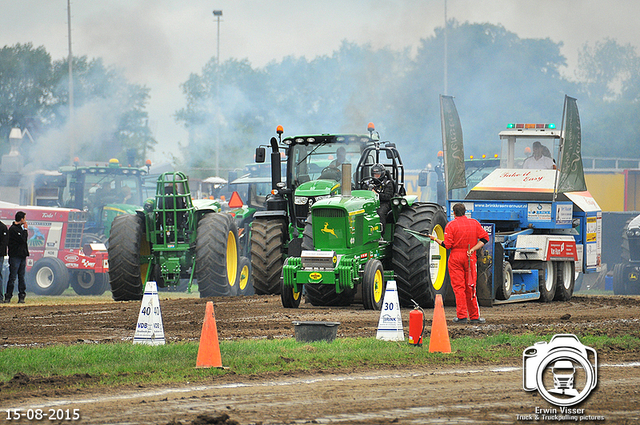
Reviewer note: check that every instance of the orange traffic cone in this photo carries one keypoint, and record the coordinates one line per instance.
(209, 349)
(439, 341)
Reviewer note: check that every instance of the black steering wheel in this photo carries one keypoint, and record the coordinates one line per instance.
(332, 173)
(370, 182)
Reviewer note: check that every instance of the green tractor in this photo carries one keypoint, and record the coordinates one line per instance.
(104, 191)
(312, 174)
(249, 196)
(173, 238)
(346, 255)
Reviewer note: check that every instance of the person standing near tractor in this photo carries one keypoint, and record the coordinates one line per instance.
(463, 237)
(4, 240)
(18, 253)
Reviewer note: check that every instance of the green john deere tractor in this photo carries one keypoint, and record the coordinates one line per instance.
(174, 238)
(347, 257)
(312, 174)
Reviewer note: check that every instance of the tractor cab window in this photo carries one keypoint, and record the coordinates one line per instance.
(322, 161)
(98, 190)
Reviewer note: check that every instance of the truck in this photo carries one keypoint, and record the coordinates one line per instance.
(58, 257)
(544, 226)
(277, 232)
(174, 237)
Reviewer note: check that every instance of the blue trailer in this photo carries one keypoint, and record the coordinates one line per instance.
(542, 237)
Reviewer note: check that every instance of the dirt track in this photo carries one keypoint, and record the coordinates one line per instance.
(474, 394)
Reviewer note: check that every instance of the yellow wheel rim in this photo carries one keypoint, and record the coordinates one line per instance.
(438, 265)
(244, 277)
(232, 259)
(377, 286)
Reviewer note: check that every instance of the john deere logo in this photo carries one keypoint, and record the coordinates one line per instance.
(326, 229)
(633, 276)
(315, 276)
(335, 259)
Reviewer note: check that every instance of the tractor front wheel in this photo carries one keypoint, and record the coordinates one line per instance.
(373, 285)
(245, 287)
(217, 255)
(290, 298)
(125, 243)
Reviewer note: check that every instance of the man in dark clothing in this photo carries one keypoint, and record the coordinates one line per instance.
(18, 253)
(383, 186)
(4, 239)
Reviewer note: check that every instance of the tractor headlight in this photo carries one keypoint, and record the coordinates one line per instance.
(396, 201)
(301, 200)
(636, 232)
(403, 201)
(319, 198)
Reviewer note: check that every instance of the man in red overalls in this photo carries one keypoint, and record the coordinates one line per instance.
(463, 237)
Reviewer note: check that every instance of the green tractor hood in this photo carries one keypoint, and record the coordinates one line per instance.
(318, 188)
(343, 223)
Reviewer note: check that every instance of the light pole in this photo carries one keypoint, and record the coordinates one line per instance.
(445, 49)
(218, 14)
(72, 144)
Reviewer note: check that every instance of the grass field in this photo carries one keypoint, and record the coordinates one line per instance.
(126, 363)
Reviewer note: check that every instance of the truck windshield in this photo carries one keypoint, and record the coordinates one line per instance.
(529, 152)
(100, 189)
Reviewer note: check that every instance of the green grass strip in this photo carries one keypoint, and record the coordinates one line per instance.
(126, 363)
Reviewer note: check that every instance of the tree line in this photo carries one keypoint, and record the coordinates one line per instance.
(495, 76)
(109, 114)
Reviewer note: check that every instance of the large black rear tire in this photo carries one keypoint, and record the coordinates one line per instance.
(620, 281)
(125, 244)
(416, 278)
(217, 255)
(49, 276)
(267, 242)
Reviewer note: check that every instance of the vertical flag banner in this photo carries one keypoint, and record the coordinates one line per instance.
(571, 177)
(452, 146)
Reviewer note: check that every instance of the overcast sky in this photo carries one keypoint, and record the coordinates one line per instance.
(158, 43)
